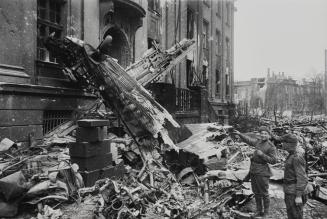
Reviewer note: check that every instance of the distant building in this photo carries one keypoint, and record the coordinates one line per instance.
(250, 94)
(279, 93)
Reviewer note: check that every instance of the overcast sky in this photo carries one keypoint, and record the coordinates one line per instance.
(285, 35)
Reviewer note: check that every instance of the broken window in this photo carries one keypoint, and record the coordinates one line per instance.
(228, 52)
(205, 42)
(49, 16)
(190, 24)
(227, 82)
(218, 64)
(218, 85)
(189, 72)
(218, 42)
(205, 75)
(228, 57)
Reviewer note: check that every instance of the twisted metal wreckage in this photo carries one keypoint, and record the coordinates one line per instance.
(152, 186)
(144, 118)
(202, 175)
(120, 90)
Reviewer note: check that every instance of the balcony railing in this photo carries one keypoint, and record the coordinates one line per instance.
(176, 99)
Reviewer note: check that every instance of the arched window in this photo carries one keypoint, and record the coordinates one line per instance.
(120, 48)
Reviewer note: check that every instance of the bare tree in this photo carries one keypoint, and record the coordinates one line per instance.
(315, 95)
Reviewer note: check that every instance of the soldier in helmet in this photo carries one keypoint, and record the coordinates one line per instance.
(295, 177)
(265, 153)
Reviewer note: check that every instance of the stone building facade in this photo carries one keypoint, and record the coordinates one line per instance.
(36, 96)
(210, 66)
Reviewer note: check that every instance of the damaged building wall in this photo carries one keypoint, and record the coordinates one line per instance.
(165, 23)
(27, 112)
(210, 66)
(39, 95)
(24, 60)
(29, 85)
(222, 58)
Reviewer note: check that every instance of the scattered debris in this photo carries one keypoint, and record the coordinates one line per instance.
(6, 144)
(141, 171)
(156, 183)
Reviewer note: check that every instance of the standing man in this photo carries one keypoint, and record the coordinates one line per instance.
(265, 152)
(295, 177)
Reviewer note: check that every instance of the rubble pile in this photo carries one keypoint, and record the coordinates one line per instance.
(162, 184)
(147, 168)
(155, 166)
(35, 176)
(312, 136)
(129, 198)
(206, 177)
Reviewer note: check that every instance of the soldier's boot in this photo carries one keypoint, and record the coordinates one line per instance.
(266, 203)
(258, 201)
